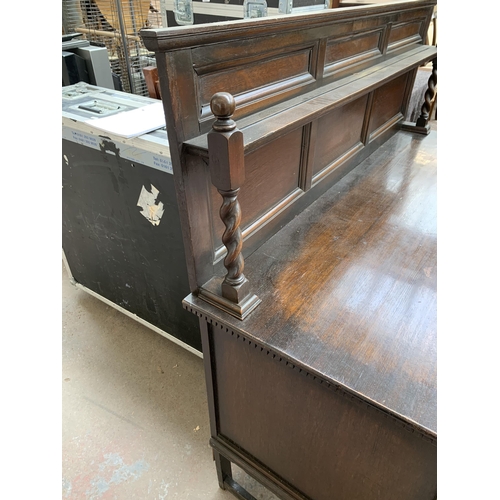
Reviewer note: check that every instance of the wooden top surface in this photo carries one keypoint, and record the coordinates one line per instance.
(178, 37)
(348, 288)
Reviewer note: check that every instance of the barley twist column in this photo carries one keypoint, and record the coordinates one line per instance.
(422, 126)
(230, 213)
(428, 97)
(227, 171)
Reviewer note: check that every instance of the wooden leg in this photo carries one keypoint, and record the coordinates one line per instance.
(433, 108)
(225, 477)
(422, 124)
(223, 466)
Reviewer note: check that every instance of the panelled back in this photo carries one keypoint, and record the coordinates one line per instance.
(262, 64)
(272, 66)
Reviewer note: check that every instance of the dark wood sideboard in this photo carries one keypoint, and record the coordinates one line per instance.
(309, 223)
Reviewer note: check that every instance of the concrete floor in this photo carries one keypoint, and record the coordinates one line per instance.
(135, 415)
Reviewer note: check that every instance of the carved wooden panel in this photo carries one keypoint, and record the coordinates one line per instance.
(411, 15)
(272, 175)
(405, 34)
(249, 81)
(268, 66)
(348, 52)
(338, 133)
(387, 106)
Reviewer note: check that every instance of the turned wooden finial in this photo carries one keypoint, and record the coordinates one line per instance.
(223, 105)
(227, 171)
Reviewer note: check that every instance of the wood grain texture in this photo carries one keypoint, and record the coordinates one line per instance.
(336, 445)
(152, 82)
(267, 62)
(277, 120)
(388, 104)
(272, 173)
(276, 69)
(348, 287)
(405, 34)
(338, 132)
(328, 387)
(363, 16)
(242, 77)
(352, 50)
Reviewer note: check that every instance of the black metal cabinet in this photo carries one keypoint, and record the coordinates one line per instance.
(121, 232)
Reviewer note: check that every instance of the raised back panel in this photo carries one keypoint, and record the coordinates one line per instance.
(405, 34)
(388, 102)
(408, 28)
(272, 66)
(278, 174)
(262, 64)
(349, 52)
(272, 179)
(339, 133)
(272, 74)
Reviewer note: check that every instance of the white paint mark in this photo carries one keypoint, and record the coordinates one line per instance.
(151, 210)
(164, 486)
(66, 159)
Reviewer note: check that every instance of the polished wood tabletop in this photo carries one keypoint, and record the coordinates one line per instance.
(348, 287)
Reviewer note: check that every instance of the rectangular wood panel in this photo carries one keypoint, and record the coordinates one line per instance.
(387, 105)
(338, 132)
(348, 52)
(405, 34)
(411, 15)
(245, 78)
(272, 409)
(271, 174)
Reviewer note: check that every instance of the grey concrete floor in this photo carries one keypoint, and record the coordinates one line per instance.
(135, 419)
